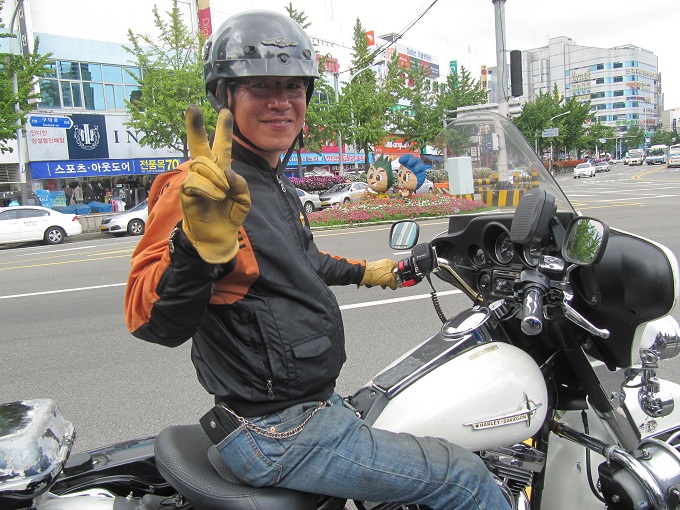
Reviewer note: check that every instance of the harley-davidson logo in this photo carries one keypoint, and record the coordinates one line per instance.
(527, 410)
(281, 42)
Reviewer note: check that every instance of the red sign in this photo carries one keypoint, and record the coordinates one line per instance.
(204, 20)
(370, 37)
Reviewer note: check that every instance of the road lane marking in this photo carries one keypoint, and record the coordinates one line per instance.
(364, 304)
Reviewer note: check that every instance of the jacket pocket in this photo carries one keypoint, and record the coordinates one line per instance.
(312, 347)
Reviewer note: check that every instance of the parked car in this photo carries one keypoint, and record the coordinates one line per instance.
(343, 193)
(132, 221)
(584, 170)
(23, 223)
(602, 166)
(310, 201)
(426, 187)
(673, 160)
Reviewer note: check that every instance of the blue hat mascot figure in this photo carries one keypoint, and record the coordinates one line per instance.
(411, 174)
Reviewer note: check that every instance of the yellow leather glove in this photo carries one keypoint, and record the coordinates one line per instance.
(214, 199)
(379, 272)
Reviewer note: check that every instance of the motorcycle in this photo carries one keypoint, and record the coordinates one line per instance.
(550, 376)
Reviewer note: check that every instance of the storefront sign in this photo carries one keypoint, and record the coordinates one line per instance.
(90, 136)
(328, 158)
(71, 169)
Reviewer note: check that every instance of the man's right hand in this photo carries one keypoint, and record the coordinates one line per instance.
(214, 199)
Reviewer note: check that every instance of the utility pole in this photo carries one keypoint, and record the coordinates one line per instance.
(499, 10)
(20, 9)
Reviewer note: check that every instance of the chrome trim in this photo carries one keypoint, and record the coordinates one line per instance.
(508, 419)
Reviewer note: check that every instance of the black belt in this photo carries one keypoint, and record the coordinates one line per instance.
(218, 423)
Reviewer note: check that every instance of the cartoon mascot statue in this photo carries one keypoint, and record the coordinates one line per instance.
(411, 174)
(379, 176)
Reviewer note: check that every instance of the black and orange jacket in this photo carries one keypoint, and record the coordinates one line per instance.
(267, 330)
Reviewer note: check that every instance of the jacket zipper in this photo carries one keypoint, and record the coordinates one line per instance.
(264, 355)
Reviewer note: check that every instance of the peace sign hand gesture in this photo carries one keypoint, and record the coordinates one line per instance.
(214, 199)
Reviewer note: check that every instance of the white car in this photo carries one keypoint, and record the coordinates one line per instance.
(584, 170)
(23, 223)
(310, 201)
(426, 187)
(673, 160)
(131, 222)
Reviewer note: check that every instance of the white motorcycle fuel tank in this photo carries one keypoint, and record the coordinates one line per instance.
(463, 386)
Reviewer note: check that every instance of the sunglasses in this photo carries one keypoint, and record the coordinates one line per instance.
(262, 87)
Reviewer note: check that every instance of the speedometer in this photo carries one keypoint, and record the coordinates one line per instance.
(504, 249)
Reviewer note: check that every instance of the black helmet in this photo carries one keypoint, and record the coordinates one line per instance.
(257, 43)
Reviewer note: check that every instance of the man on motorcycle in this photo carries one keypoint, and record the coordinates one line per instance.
(229, 260)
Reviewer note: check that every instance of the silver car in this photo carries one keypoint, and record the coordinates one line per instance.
(310, 201)
(131, 222)
(343, 193)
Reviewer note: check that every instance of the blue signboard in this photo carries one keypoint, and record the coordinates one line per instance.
(71, 169)
(50, 121)
(314, 158)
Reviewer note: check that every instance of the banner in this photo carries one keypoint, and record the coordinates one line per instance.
(72, 169)
(370, 38)
(204, 19)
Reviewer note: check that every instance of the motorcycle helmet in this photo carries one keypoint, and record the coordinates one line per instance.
(257, 43)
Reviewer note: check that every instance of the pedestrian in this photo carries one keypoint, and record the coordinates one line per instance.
(228, 259)
(68, 193)
(78, 194)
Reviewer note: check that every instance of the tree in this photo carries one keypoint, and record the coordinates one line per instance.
(634, 138)
(27, 69)
(363, 108)
(535, 118)
(661, 138)
(459, 91)
(421, 120)
(593, 136)
(318, 111)
(172, 78)
(298, 16)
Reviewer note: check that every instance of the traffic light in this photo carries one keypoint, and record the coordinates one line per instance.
(516, 73)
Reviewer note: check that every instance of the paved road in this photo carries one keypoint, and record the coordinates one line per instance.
(64, 336)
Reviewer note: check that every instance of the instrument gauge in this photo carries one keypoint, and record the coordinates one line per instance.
(504, 248)
(478, 257)
(532, 254)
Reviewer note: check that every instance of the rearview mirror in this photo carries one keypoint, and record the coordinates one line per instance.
(404, 235)
(585, 241)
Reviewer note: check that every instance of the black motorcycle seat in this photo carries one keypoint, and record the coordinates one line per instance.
(187, 459)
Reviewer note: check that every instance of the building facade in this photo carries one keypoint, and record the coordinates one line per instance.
(77, 133)
(623, 83)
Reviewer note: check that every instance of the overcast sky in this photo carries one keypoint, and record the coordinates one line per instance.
(464, 30)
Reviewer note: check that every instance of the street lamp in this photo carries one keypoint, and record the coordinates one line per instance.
(551, 142)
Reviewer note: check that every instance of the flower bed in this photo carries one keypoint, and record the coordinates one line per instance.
(369, 210)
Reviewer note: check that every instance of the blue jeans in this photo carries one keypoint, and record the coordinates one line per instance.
(337, 454)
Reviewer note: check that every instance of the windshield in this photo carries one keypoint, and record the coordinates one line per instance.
(139, 206)
(498, 155)
(656, 151)
(338, 187)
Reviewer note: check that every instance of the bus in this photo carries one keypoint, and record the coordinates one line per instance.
(673, 156)
(657, 154)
